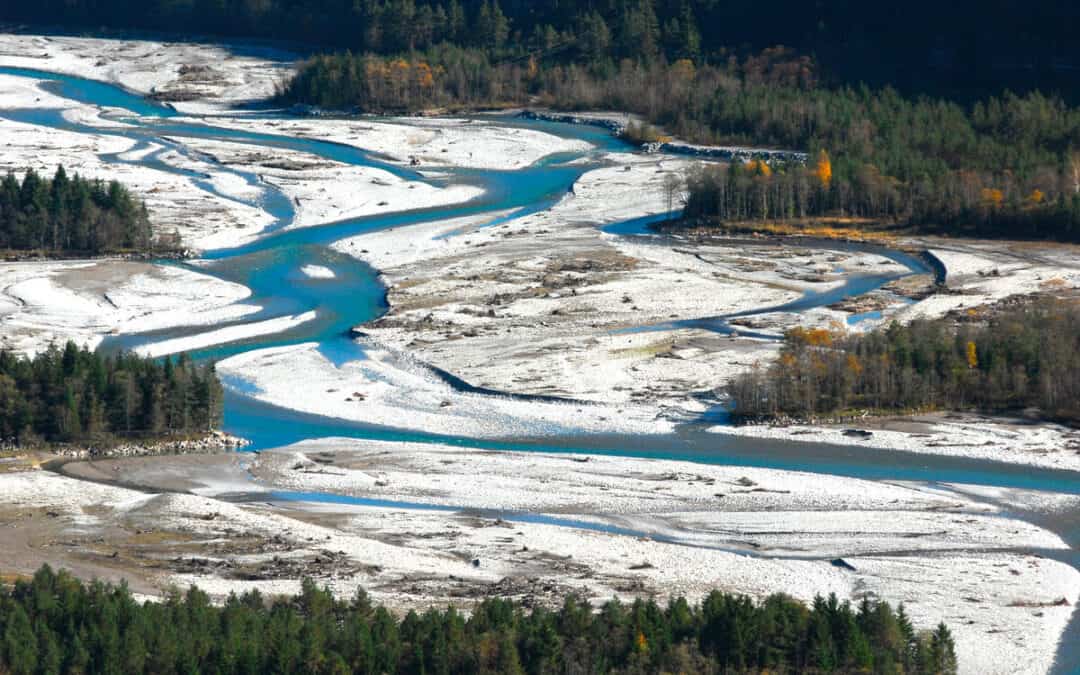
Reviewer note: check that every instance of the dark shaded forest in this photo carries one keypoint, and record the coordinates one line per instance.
(72, 394)
(54, 623)
(71, 215)
(1025, 355)
(957, 49)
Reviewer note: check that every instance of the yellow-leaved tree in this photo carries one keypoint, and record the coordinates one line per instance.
(759, 167)
(972, 355)
(992, 197)
(823, 171)
(641, 643)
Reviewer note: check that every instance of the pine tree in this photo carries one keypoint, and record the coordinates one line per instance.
(942, 651)
(20, 651)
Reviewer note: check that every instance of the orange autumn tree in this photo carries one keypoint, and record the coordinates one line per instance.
(854, 366)
(992, 197)
(425, 79)
(641, 643)
(811, 337)
(759, 167)
(683, 70)
(823, 170)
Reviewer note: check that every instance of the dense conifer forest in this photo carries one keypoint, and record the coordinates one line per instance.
(71, 215)
(1007, 166)
(71, 394)
(919, 46)
(1026, 355)
(54, 623)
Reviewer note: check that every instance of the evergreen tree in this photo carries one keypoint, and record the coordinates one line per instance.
(54, 623)
(65, 214)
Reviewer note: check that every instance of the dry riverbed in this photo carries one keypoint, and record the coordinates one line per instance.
(622, 528)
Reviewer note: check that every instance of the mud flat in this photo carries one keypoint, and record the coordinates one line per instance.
(1016, 441)
(324, 191)
(390, 388)
(433, 143)
(984, 272)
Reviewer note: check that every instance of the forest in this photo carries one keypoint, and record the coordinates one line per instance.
(965, 50)
(1007, 166)
(1002, 165)
(54, 623)
(1024, 355)
(71, 215)
(70, 394)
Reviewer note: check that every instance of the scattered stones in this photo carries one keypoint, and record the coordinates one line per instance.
(211, 443)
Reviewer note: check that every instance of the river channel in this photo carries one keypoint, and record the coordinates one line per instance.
(270, 267)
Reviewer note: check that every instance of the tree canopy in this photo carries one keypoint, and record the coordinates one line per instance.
(72, 394)
(960, 48)
(1023, 355)
(54, 623)
(71, 214)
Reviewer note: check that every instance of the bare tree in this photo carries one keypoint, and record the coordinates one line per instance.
(674, 191)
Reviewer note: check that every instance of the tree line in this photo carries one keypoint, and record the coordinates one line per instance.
(663, 91)
(53, 623)
(1026, 355)
(1005, 166)
(71, 215)
(70, 394)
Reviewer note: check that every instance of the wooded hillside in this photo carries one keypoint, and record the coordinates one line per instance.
(962, 49)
